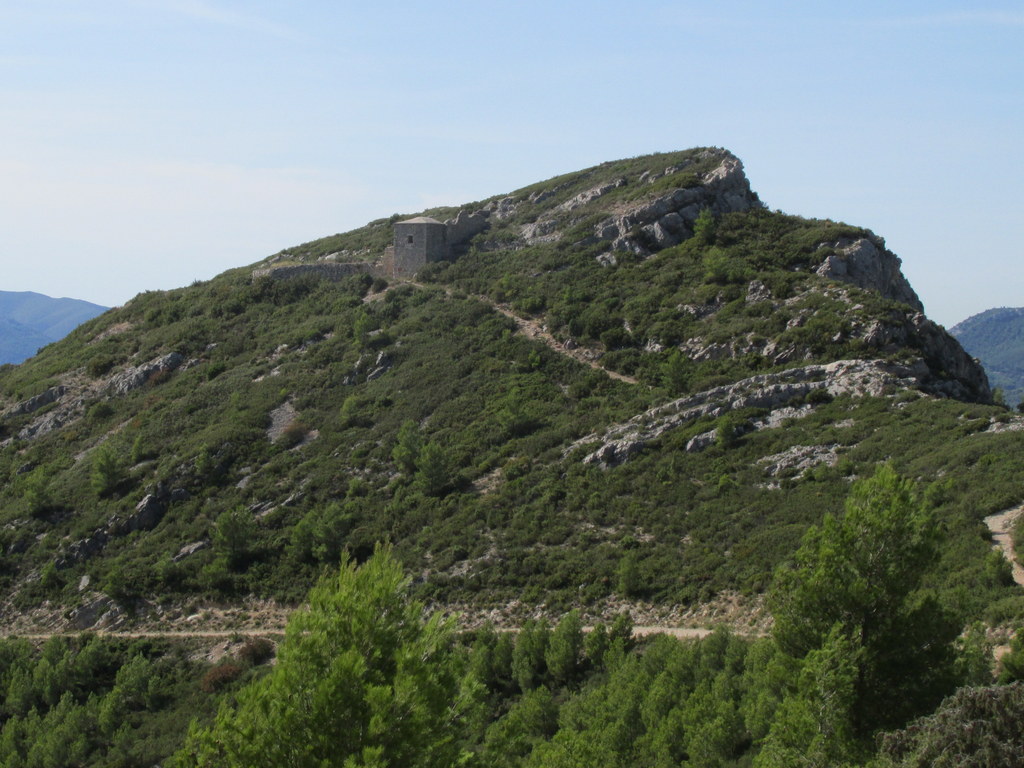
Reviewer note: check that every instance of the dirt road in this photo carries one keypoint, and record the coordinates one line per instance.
(1000, 525)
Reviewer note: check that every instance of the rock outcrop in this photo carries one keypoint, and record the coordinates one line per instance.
(866, 263)
(147, 515)
(952, 372)
(33, 404)
(648, 223)
(768, 391)
(133, 378)
(669, 219)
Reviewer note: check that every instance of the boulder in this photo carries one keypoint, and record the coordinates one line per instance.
(133, 378)
(190, 549)
(83, 549)
(51, 395)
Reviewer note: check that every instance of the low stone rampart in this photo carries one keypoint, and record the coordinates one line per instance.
(329, 271)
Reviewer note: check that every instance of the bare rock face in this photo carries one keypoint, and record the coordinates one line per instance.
(190, 549)
(954, 373)
(866, 263)
(87, 615)
(669, 220)
(133, 378)
(83, 549)
(148, 513)
(771, 391)
(33, 404)
(799, 459)
(589, 195)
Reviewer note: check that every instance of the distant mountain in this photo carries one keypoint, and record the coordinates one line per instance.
(30, 320)
(996, 338)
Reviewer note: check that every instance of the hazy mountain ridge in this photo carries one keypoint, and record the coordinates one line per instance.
(234, 436)
(996, 338)
(31, 320)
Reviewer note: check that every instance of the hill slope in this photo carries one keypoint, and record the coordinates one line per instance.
(231, 438)
(30, 320)
(996, 338)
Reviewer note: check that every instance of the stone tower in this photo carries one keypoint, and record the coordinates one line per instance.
(419, 242)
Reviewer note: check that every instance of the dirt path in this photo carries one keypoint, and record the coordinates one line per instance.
(533, 330)
(1000, 525)
(211, 634)
(683, 633)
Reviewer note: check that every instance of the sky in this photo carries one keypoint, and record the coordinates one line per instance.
(146, 144)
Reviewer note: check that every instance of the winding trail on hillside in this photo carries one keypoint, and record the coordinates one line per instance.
(532, 329)
(1001, 526)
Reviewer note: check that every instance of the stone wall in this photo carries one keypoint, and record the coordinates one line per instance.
(465, 226)
(328, 271)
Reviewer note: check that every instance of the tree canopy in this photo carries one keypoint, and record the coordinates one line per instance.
(363, 678)
(856, 583)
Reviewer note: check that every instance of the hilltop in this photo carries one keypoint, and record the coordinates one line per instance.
(996, 338)
(634, 385)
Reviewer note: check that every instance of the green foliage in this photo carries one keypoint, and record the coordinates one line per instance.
(1012, 664)
(729, 429)
(674, 372)
(974, 728)
(704, 227)
(363, 678)
(529, 667)
(813, 726)
(433, 469)
(407, 448)
(859, 576)
(99, 365)
(563, 656)
(35, 491)
(91, 700)
(233, 536)
(530, 721)
(630, 580)
(107, 472)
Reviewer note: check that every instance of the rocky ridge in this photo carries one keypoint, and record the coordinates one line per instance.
(645, 225)
(772, 392)
(71, 398)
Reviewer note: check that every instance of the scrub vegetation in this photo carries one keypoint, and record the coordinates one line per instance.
(411, 428)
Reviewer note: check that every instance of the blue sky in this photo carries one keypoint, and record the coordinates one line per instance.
(148, 143)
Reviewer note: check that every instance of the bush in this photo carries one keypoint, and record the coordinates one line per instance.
(219, 676)
(256, 651)
(293, 434)
(99, 365)
(106, 471)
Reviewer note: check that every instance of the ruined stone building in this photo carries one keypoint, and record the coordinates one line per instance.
(418, 242)
(423, 240)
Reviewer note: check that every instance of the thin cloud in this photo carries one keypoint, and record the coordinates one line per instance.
(957, 19)
(209, 13)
